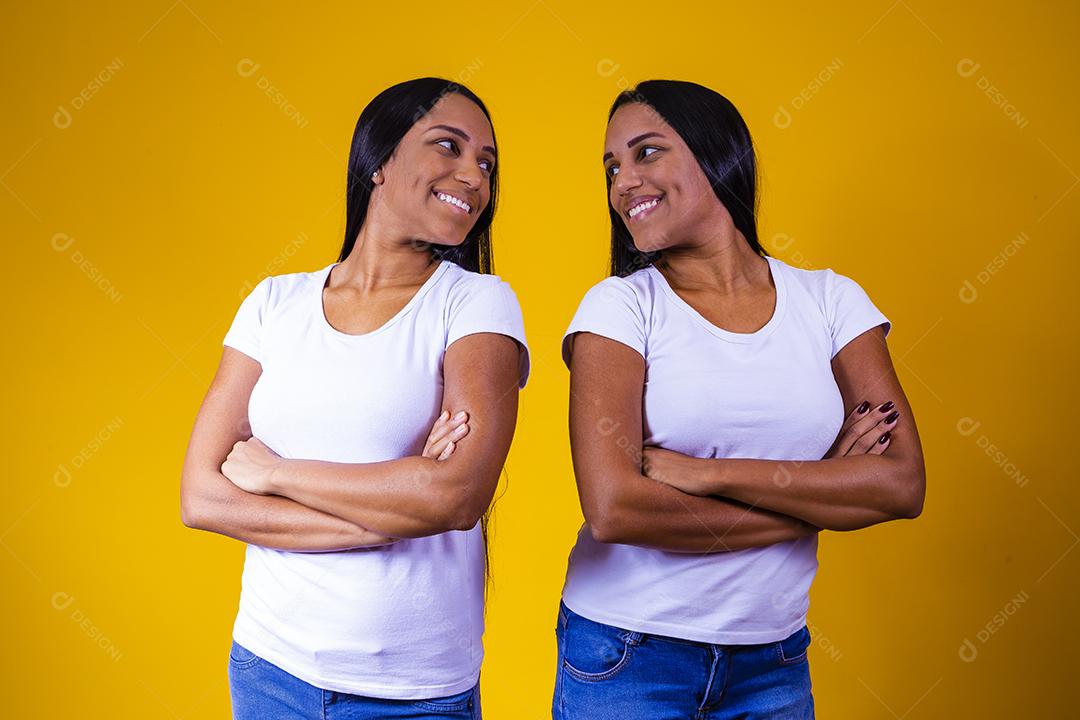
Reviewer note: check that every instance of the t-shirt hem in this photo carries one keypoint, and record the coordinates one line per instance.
(242, 347)
(864, 326)
(603, 332)
(686, 632)
(524, 361)
(386, 692)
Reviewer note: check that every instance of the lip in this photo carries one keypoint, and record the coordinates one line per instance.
(472, 203)
(634, 202)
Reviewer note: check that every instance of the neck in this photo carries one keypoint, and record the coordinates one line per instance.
(724, 263)
(383, 259)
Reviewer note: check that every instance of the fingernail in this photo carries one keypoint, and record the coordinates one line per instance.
(445, 414)
(892, 417)
(460, 415)
(886, 407)
(863, 407)
(884, 438)
(460, 429)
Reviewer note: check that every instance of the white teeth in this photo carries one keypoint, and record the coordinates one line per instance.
(454, 201)
(638, 209)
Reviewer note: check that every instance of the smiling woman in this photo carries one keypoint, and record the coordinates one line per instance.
(687, 590)
(436, 144)
(381, 396)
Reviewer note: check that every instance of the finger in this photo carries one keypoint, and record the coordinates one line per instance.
(447, 451)
(843, 440)
(438, 431)
(873, 434)
(862, 426)
(880, 445)
(435, 449)
(445, 425)
(857, 413)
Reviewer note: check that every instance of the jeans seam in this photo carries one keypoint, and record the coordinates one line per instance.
(243, 664)
(628, 651)
(784, 660)
(560, 649)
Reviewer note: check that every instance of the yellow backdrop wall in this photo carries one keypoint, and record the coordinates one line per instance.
(157, 160)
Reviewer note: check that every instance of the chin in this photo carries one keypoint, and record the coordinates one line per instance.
(648, 244)
(446, 241)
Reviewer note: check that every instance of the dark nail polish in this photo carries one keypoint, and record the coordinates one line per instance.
(886, 407)
(892, 417)
(884, 438)
(863, 407)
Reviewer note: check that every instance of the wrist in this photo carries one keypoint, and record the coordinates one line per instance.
(276, 481)
(717, 477)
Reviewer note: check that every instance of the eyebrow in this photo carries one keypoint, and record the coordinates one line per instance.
(634, 141)
(461, 134)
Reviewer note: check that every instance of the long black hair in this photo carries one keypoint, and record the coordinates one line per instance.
(717, 136)
(382, 125)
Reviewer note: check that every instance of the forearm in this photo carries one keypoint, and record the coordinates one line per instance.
(650, 514)
(406, 498)
(845, 493)
(270, 521)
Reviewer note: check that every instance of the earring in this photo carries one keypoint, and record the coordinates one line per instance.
(374, 174)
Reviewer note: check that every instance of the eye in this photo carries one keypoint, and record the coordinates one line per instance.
(612, 170)
(449, 144)
(487, 165)
(644, 154)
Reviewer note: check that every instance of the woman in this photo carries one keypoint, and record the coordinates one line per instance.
(363, 582)
(724, 373)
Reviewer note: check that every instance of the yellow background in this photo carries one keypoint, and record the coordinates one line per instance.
(920, 143)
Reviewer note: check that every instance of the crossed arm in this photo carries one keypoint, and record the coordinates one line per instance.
(840, 492)
(209, 501)
(314, 505)
(704, 505)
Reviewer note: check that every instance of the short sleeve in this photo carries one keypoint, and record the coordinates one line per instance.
(610, 308)
(490, 306)
(849, 311)
(246, 331)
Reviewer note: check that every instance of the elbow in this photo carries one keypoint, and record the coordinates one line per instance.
(459, 521)
(603, 519)
(910, 505)
(913, 507)
(605, 532)
(462, 513)
(194, 508)
(189, 514)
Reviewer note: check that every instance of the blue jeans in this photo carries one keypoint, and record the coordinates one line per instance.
(608, 673)
(261, 690)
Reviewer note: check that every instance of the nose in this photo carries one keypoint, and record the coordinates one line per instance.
(470, 175)
(625, 181)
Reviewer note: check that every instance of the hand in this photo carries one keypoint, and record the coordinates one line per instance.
(445, 434)
(681, 472)
(251, 465)
(867, 431)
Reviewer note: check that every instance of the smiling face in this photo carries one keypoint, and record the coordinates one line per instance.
(437, 182)
(658, 188)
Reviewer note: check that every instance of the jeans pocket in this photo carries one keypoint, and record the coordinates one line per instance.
(449, 704)
(240, 657)
(594, 651)
(793, 648)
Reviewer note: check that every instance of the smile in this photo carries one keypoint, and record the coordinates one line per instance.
(455, 202)
(643, 207)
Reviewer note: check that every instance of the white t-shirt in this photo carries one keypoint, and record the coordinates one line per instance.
(401, 621)
(710, 393)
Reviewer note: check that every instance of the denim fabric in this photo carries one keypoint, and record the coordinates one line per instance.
(609, 673)
(261, 690)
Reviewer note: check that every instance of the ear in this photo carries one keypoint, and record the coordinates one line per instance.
(377, 177)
